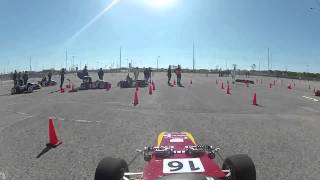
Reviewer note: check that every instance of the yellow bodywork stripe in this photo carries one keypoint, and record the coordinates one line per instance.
(160, 137)
(189, 135)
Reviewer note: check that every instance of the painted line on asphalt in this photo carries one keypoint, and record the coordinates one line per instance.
(79, 120)
(310, 98)
(2, 175)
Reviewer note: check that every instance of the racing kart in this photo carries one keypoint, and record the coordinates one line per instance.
(177, 156)
(47, 83)
(244, 81)
(28, 88)
(133, 84)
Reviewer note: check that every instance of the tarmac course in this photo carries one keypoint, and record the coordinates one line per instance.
(281, 135)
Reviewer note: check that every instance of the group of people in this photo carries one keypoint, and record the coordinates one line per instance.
(19, 78)
(178, 73)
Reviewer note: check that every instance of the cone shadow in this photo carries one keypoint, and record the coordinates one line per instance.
(45, 150)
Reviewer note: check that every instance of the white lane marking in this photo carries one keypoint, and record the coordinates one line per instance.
(310, 98)
(79, 120)
(3, 175)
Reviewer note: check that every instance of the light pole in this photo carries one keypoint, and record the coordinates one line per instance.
(158, 63)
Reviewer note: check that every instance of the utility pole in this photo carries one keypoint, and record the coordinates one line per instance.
(268, 60)
(72, 63)
(30, 64)
(66, 59)
(120, 60)
(193, 57)
(158, 63)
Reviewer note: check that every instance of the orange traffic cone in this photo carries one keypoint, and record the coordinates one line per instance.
(135, 98)
(222, 86)
(153, 86)
(254, 99)
(53, 138)
(150, 89)
(61, 90)
(228, 90)
(289, 86)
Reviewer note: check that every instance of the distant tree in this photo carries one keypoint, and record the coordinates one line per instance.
(253, 67)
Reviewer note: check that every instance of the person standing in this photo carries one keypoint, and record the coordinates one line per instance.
(136, 73)
(100, 74)
(169, 75)
(49, 76)
(25, 78)
(19, 81)
(14, 78)
(178, 72)
(62, 73)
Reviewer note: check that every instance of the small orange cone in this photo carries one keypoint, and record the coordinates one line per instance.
(153, 86)
(53, 138)
(222, 86)
(62, 90)
(289, 86)
(228, 90)
(150, 89)
(135, 98)
(254, 100)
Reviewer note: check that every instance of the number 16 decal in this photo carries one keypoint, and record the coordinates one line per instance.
(187, 165)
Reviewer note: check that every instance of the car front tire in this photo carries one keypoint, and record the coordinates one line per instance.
(241, 167)
(111, 168)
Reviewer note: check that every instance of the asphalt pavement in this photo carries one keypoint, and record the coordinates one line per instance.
(281, 134)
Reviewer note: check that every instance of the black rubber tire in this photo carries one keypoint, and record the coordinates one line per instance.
(13, 91)
(29, 89)
(241, 166)
(111, 168)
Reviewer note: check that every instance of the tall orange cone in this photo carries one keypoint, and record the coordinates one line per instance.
(228, 90)
(150, 89)
(254, 99)
(222, 86)
(135, 98)
(53, 138)
(153, 86)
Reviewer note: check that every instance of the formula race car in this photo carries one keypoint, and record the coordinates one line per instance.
(99, 84)
(29, 88)
(177, 156)
(244, 81)
(133, 83)
(317, 93)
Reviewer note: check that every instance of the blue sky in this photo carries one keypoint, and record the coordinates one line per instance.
(225, 32)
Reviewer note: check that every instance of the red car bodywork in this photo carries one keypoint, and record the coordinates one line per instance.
(179, 141)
